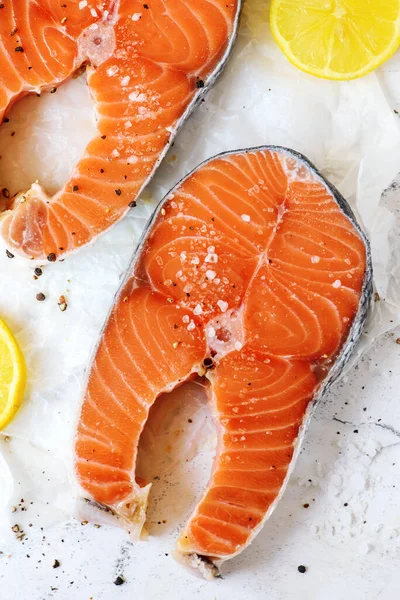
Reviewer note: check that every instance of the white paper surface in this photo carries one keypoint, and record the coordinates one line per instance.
(346, 129)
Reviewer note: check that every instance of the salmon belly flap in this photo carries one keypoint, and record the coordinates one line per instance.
(147, 64)
(254, 270)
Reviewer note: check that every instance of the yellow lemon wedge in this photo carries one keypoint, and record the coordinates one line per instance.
(336, 39)
(12, 375)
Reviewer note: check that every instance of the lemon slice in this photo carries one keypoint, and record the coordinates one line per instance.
(12, 375)
(336, 39)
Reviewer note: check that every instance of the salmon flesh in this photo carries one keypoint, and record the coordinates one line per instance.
(147, 67)
(253, 274)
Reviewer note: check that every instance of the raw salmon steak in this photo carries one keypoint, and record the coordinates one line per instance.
(253, 274)
(147, 67)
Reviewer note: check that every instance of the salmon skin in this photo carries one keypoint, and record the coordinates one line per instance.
(252, 273)
(147, 67)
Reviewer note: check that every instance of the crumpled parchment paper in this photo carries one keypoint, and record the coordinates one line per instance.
(346, 129)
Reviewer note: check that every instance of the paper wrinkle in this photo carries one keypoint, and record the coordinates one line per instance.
(346, 129)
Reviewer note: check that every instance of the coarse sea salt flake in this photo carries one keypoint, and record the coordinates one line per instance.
(112, 70)
(210, 274)
(197, 310)
(315, 259)
(137, 97)
(82, 4)
(222, 305)
(191, 326)
(195, 260)
(238, 346)
(245, 218)
(136, 16)
(132, 160)
(185, 318)
(125, 81)
(128, 124)
(337, 283)
(211, 331)
(115, 153)
(93, 12)
(211, 258)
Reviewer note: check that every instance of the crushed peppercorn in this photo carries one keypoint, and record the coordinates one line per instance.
(301, 569)
(62, 303)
